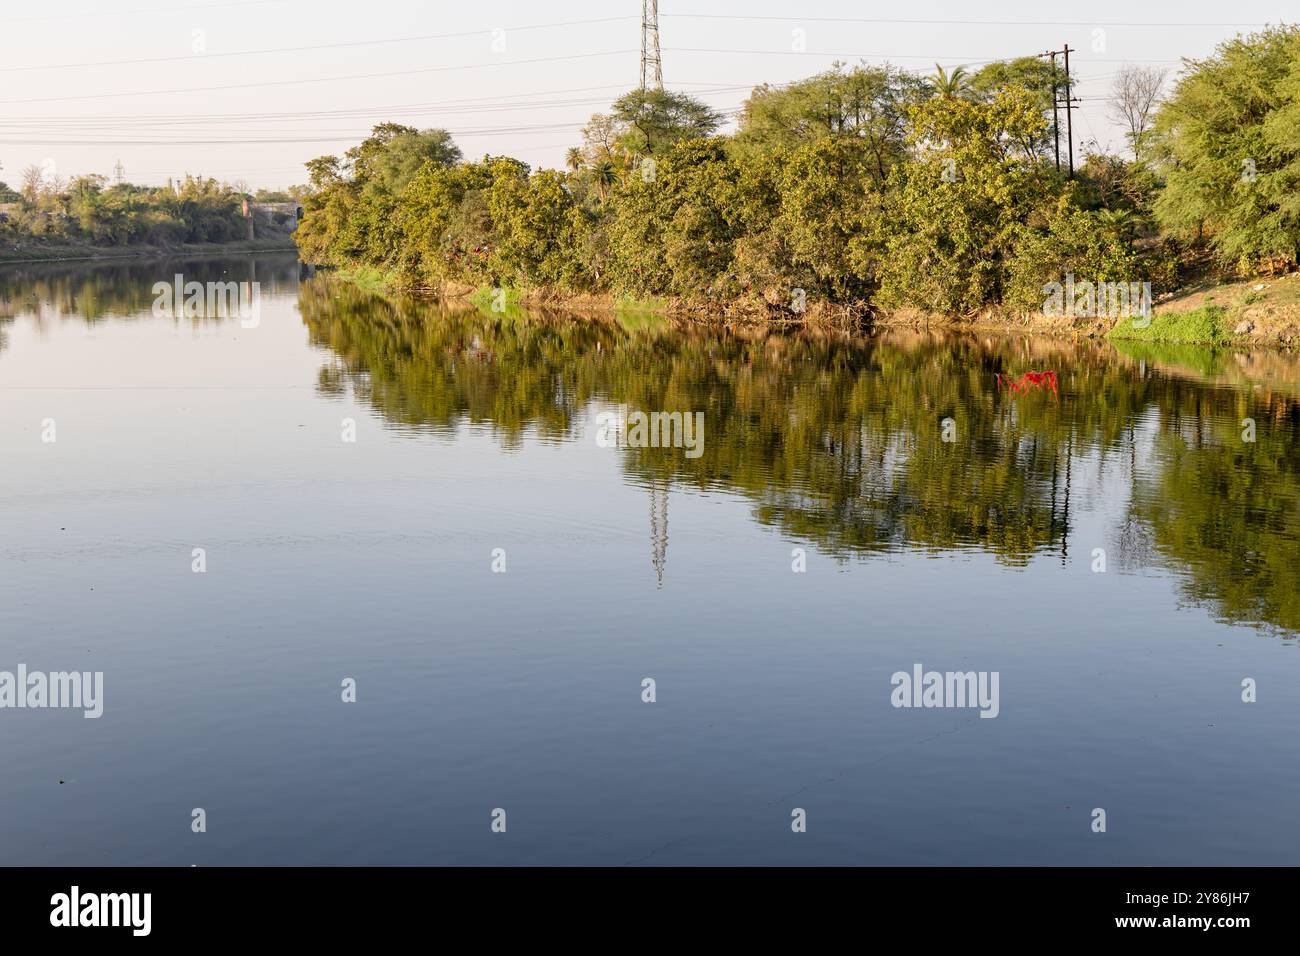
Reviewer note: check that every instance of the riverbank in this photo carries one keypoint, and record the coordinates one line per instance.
(1258, 311)
(85, 252)
(1248, 313)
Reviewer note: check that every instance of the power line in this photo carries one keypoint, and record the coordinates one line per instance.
(145, 126)
(964, 61)
(954, 22)
(516, 100)
(319, 79)
(222, 123)
(342, 136)
(59, 124)
(185, 118)
(192, 57)
(153, 11)
(345, 136)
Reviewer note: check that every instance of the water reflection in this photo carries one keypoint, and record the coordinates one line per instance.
(837, 442)
(478, 431)
(102, 290)
(840, 442)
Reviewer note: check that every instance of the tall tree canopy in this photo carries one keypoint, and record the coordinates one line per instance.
(1230, 143)
(651, 122)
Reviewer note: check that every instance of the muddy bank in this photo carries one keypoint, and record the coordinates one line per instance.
(1245, 314)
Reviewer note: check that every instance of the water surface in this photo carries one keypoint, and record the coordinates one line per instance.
(373, 560)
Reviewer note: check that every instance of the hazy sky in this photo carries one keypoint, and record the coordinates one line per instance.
(250, 89)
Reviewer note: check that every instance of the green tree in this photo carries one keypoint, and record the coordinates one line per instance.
(862, 103)
(446, 225)
(354, 213)
(1040, 77)
(950, 84)
(535, 224)
(831, 206)
(1230, 151)
(956, 211)
(1067, 240)
(674, 230)
(651, 122)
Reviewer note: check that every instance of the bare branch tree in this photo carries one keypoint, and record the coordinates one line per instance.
(1133, 100)
(32, 180)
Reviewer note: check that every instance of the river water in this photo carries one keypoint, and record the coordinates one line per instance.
(241, 523)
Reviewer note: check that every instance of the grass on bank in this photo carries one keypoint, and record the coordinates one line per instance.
(1203, 326)
(367, 278)
(495, 299)
(1255, 310)
(507, 298)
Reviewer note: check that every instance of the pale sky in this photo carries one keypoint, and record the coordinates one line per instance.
(250, 89)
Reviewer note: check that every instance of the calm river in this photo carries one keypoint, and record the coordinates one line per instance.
(242, 524)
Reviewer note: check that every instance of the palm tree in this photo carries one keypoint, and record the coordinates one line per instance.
(573, 159)
(604, 174)
(1123, 223)
(950, 85)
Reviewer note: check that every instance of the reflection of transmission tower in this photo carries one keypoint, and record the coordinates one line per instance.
(650, 60)
(658, 530)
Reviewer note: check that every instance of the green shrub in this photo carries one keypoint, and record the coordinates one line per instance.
(1203, 326)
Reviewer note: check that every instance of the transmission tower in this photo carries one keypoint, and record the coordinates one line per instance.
(651, 65)
(658, 529)
(119, 173)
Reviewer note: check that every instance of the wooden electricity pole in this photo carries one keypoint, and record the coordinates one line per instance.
(1067, 104)
(1069, 110)
(1056, 118)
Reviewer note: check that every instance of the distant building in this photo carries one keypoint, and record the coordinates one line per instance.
(284, 215)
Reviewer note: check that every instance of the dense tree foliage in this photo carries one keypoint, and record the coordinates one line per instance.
(652, 122)
(87, 208)
(1230, 138)
(861, 186)
(866, 103)
(1038, 77)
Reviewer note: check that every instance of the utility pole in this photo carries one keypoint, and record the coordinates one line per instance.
(1056, 119)
(1067, 104)
(651, 64)
(1069, 110)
